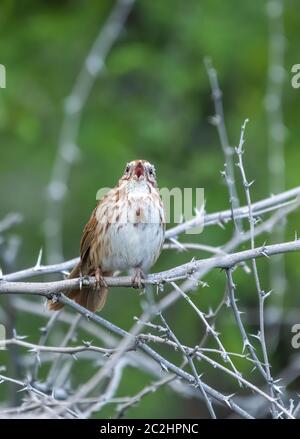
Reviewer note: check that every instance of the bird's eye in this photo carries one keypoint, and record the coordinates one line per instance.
(151, 171)
(127, 168)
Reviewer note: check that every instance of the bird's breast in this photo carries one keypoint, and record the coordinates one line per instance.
(134, 233)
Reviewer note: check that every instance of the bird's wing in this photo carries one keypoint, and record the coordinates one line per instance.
(87, 240)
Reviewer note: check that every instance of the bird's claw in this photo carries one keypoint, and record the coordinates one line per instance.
(137, 279)
(100, 282)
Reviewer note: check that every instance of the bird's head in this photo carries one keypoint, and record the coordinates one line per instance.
(140, 171)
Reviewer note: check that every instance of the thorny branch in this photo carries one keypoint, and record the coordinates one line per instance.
(261, 294)
(226, 261)
(184, 271)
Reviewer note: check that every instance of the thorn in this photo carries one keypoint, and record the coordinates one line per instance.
(164, 367)
(278, 389)
(200, 211)
(256, 220)
(227, 399)
(246, 344)
(266, 295)
(210, 313)
(21, 337)
(87, 343)
(250, 184)
(265, 254)
(178, 244)
(23, 389)
(39, 260)
(278, 380)
(221, 224)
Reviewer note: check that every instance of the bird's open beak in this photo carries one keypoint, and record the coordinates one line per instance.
(139, 170)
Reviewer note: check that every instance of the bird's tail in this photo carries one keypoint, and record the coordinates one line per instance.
(90, 298)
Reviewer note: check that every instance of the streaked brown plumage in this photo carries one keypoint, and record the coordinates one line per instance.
(124, 232)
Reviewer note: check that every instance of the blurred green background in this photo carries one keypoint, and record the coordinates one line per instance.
(152, 101)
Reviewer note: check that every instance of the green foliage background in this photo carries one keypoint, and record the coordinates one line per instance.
(153, 101)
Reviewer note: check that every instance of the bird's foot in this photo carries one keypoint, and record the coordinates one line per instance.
(100, 282)
(137, 279)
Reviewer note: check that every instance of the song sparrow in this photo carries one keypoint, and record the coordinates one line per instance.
(125, 232)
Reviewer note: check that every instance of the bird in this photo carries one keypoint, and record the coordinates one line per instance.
(125, 232)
